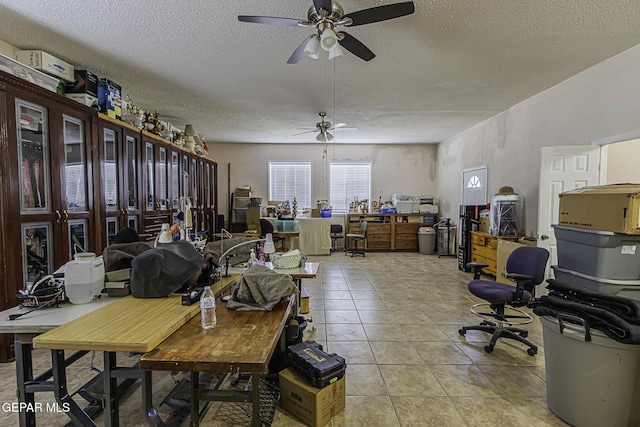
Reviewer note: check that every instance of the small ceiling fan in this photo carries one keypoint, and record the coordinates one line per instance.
(323, 127)
(326, 16)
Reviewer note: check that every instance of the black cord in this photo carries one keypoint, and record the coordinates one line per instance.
(49, 303)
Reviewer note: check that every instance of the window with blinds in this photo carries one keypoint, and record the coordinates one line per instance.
(290, 179)
(346, 182)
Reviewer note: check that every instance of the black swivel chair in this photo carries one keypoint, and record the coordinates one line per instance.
(336, 233)
(266, 227)
(526, 265)
(356, 237)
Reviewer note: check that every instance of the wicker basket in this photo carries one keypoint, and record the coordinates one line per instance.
(281, 261)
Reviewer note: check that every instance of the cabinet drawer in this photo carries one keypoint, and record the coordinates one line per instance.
(484, 251)
(491, 269)
(477, 239)
(378, 244)
(378, 229)
(407, 245)
(407, 228)
(406, 238)
(378, 238)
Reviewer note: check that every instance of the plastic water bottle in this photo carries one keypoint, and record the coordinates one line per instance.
(208, 308)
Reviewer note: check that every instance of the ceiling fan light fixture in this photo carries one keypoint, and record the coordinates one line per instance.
(312, 49)
(328, 39)
(336, 51)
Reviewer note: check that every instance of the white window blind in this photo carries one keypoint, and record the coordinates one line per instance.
(346, 182)
(290, 179)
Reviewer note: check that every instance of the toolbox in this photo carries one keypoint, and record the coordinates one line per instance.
(319, 367)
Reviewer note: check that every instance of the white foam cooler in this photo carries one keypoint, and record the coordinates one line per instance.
(602, 254)
(590, 383)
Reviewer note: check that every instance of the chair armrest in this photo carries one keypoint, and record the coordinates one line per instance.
(520, 280)
(476, 268)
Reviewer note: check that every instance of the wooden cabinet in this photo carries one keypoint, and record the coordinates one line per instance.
(47, 193)
(72, 178)
(387, 231)
(484, 248)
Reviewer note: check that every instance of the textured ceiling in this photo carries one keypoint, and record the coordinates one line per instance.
(443, 69)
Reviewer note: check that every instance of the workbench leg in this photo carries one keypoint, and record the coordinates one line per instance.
(150, 412)
(255, 399)
(24, 373)
(65, 401)
(195, 399)
(110, 397)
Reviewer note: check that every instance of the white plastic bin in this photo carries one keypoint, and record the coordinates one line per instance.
(592, 383)
(621, 288)
(602, 254)
(427, 240)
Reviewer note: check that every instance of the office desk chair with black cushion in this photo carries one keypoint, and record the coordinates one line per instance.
(356, 237)
(266, 227)
(526, 265)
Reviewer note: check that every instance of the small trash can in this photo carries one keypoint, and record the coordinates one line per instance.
(427, 240)
(592, 380)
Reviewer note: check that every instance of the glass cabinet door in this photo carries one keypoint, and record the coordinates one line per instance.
(37, 255)
(163, 191)
(110, 172)
(175, 180)
(33, 158)
(131, 173)
(149, 182)
(75, 165)
(78, 237)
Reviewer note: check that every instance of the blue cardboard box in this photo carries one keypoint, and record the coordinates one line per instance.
(110, 98)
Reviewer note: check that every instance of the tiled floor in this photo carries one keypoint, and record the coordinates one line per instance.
(395, 318)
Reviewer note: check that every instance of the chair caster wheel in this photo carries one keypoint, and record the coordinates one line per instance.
(488, 348)
(462, 331)
(532, 352)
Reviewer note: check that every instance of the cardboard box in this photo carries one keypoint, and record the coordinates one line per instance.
(243, 192)
(83, 98)
(85, 82)
(315, 213)
(20, 70)
(43, 61)
(313, 406)
(304, 301)
(110, 98)
(614, 207)
(505, 247)
(484, 224)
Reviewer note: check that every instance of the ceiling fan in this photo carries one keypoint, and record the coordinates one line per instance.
(326, 16)
(323, 127)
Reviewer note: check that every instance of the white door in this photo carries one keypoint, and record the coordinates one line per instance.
(474, 186)
(562, 168)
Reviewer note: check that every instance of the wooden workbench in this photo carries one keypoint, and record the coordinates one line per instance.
(241, 342)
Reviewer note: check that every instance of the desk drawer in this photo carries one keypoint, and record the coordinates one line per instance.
(477, 239)
(407, 238)
(378, 238)
(407, 228)
(484, 252)
(407, 244)
(378, 229)
(378, 244)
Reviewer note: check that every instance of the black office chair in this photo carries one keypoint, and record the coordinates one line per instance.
(266, 227)
(336, 233)
(356, 238)
(526, 265)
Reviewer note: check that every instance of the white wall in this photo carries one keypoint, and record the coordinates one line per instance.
(600, 102)
(408, 169)
(621, 162)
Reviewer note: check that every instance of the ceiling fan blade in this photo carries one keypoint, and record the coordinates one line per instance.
(355, 46)
(302, 133)
(298, 54)
(322, 4)
(336, 126)
(270, 20)
(380, 13)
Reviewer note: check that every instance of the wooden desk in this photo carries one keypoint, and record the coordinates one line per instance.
(242, 341)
